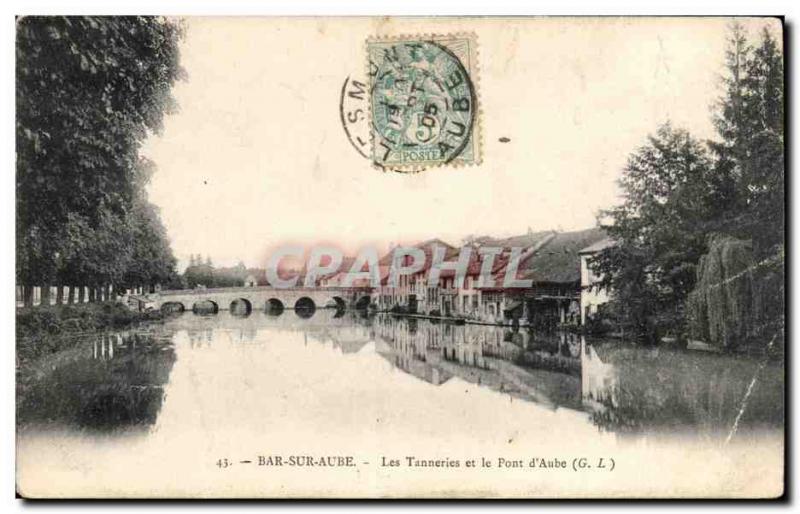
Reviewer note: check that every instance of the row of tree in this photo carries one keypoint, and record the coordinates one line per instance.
(203, 273)
(89, 90)
(700, 231)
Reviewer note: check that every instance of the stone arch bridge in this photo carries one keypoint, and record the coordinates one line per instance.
(265, 298)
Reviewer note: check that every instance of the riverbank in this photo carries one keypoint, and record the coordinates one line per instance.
(43, 330)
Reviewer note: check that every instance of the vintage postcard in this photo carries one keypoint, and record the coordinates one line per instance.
(446, 257)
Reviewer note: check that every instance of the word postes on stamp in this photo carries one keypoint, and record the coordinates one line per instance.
(423, 102)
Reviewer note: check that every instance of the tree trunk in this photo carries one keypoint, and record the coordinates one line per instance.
(92, 291)
(45, 295)
(107, 292)
(71, 295)
(59, 294)
(27, 296)
(81, 294)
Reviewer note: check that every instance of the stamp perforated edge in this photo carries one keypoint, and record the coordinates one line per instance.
(474, 71)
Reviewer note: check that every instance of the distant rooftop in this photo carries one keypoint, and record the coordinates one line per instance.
(547, 256)
(598, 246)
(558, 260)
(427, 247)
(520, 241)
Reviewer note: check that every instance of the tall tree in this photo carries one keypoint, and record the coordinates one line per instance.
(749, 118)
(678, 200)
(763, 164)
(740, 291)
(659, 229)
(89, 90)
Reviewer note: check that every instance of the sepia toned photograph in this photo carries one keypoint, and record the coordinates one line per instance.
(264, 257)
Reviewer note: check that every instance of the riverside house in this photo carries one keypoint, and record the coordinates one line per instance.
(555, 263)
(550, 260)
(555, 272)
(413, 293)
(593, 297)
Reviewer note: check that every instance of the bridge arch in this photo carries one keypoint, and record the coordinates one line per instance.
(336, 302)
(241, 307)
(169, 307)
(274, 306)
(304, 307)
(201, 306)
(272, 300)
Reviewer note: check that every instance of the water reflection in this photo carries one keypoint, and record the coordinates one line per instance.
(111, 381)
(117, 380)
(625, 388)
(241, 307)
(513, 362)
(634, 390)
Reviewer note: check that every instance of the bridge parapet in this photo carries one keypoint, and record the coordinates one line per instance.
(261, 289)
(258, 298)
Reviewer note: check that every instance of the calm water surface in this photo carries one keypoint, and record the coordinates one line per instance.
(256, 370)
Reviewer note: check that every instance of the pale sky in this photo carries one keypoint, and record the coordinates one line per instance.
(257, 156)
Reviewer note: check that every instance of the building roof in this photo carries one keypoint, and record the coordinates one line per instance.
(558, 260)
(598, 246)
(520, 241)
(450, 252)
(527, 242)
(547, 256)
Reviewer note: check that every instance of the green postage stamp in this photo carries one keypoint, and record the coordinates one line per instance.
(424, 101)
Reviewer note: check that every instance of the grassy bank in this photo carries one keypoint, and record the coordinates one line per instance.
(43, 330)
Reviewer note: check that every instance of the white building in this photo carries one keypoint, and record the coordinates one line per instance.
(592, 295)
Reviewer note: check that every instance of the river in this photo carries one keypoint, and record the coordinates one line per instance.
(193, 405)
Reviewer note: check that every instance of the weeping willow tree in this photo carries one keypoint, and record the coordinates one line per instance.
(727, 305)
(740, 288)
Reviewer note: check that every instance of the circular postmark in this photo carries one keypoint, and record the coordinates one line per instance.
(353, 112)
(354, 116)
(422, 105)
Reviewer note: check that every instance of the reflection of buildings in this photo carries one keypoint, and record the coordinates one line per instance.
(625, 388)
(402, 343)
(598, 379)
(505, 360)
